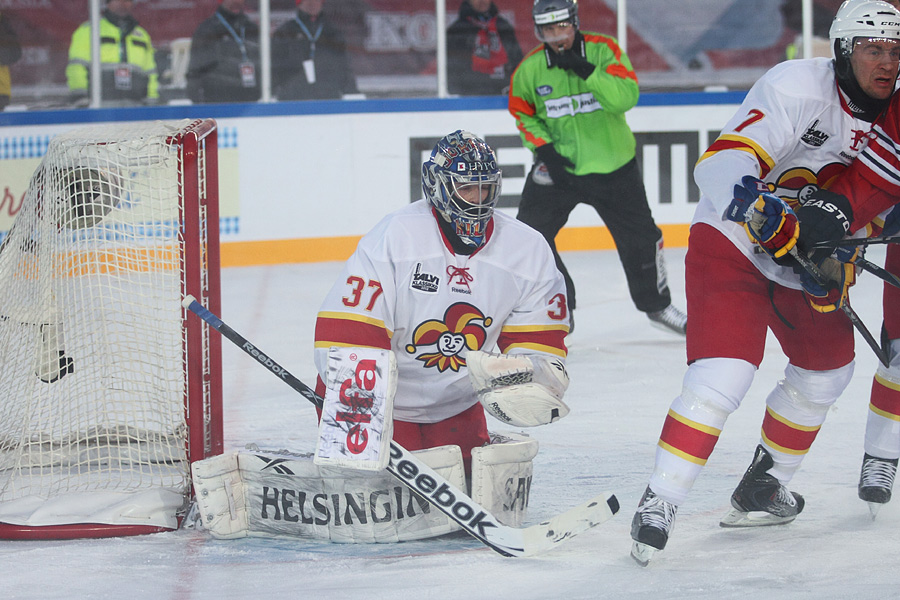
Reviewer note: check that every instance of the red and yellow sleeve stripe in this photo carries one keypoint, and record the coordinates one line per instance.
(549, 339)
(742, 144)
(348, 329)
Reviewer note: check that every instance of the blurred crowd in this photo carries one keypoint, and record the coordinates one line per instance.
(210, 51)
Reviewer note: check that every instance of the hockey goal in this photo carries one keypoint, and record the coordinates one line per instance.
(107, 390)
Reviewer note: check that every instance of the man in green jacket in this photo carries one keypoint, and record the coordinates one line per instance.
(569, 97)
(128, 67)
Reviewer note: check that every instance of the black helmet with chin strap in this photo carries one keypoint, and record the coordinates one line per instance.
(547, 12)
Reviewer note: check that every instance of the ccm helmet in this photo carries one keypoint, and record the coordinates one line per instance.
(462, 170)
(547, 12)
(862, 19)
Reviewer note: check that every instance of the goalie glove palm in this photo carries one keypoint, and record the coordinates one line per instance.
(517, 389)
(769, 221)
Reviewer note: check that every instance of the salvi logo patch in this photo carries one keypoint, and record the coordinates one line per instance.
(424, 282)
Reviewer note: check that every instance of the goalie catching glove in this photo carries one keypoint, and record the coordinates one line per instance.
(518, 389)
(839, 271)
(769, 221)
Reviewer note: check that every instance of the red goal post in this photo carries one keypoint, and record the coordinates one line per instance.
(109, 391)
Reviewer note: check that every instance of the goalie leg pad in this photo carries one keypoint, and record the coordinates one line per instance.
(501, 476)
(220, 496)
(280, 494)
(518, 389)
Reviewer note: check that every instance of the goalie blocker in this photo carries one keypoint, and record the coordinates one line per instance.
(280, 494)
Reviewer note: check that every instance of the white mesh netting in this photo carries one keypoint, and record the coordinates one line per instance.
(91, 332)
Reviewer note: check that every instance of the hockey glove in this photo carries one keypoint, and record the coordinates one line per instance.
(518, 389)
(839, 271)
(769, 221)
(574, 62)
(557, 165)
(824, 217)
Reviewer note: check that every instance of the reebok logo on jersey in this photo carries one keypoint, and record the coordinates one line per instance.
(814, 137)
(544, 90)
(424, 282)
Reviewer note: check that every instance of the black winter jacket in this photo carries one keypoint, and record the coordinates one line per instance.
(291, 46)
(215, 69)
(462, 36)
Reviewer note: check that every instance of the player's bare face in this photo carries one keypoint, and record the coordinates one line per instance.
(875, 63)
(559, 36)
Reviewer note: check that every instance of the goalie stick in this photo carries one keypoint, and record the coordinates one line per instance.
(435, 489)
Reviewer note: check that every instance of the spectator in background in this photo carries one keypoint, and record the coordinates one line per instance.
(10, 53)
(482, 50)
(792, 13)
(309, 57)
(128, 67)
(224, 65)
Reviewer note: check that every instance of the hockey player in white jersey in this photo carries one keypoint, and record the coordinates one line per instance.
(468, 299)
(799, 126)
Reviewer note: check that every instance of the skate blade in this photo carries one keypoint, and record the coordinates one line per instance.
(738, 518)
(642, 553)
(874, 507)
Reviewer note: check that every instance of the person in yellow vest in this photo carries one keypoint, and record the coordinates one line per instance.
(128, 67)
(10, 53)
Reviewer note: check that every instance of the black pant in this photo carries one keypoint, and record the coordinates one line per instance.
(620, 200)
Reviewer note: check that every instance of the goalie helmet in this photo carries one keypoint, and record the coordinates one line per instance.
(547, 12)
(461, 179)
(862, 19)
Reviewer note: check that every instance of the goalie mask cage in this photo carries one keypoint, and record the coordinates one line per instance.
(109, 391)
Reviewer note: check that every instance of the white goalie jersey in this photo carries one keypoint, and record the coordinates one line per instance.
(796, 132)
(404, 289)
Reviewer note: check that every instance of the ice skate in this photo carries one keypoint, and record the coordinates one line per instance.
(669, 319)
(650, 528)
(876, 478)
(760, 499)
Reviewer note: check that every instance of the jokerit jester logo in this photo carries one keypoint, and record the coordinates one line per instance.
(796, 185)
(463, 326)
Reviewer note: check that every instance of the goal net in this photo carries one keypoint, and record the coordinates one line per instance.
(107, 391)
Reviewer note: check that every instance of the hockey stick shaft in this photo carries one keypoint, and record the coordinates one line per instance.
(433, 487)
(877, 271)
(739, 212)
(851, 242)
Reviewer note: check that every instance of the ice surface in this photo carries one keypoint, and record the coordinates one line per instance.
(624, 375)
